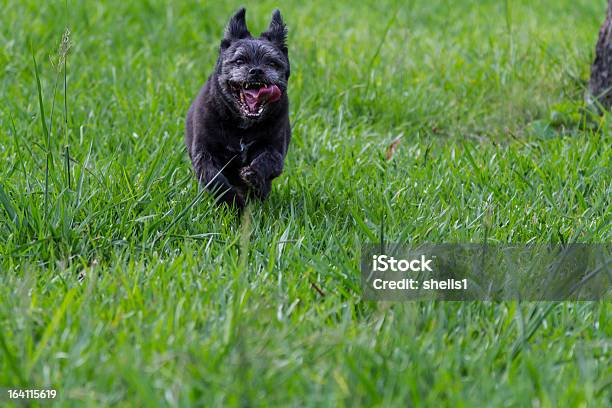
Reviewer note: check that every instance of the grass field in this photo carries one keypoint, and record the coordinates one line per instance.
(122, 284)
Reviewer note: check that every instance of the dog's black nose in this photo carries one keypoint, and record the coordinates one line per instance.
(255, 72)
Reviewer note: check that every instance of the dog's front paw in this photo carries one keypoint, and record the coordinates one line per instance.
(259, 186)
(251, 177)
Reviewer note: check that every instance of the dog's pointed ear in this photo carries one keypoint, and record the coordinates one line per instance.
(236, 28)
(277, 31)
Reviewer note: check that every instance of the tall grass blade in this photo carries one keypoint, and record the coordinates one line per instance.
(8, 206)
(46, 134)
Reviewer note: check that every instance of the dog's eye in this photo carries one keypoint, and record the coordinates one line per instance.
(274, 64)
(239, 61)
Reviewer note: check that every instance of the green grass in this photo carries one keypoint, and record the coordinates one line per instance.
(121, 284)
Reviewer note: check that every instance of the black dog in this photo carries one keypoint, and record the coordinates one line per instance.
(237, 129)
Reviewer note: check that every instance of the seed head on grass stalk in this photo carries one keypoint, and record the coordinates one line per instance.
(58, 61)
(64, 48)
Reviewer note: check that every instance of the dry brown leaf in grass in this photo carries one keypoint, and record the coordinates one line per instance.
(392, 148)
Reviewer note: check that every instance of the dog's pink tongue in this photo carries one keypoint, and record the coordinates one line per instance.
(270, 93)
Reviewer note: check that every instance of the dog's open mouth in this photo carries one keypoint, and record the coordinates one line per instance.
(254, 96)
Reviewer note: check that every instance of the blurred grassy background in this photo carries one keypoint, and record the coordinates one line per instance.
(126, 286)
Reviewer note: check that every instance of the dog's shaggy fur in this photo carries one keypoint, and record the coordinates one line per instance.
(237, 129)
